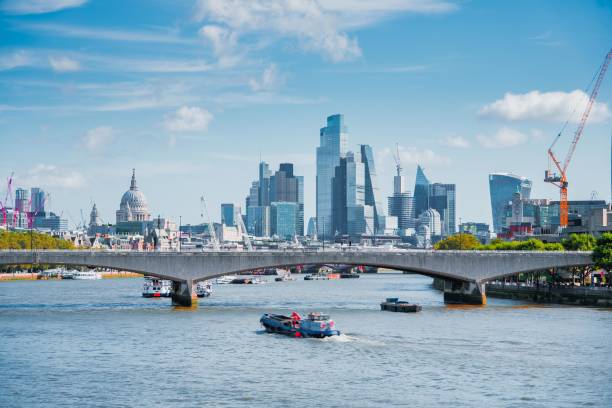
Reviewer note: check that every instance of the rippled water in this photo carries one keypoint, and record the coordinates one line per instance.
(98, 343)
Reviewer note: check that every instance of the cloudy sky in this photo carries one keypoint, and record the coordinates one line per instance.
(191, 93)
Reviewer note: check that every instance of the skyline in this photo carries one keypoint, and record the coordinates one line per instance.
(193, 92)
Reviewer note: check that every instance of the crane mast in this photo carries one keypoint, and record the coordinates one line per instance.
(560, 179)
(211, 227)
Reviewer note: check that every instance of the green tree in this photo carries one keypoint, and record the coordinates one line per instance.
(24, 240)
(579, 242)
(458, 241)
(602, 253)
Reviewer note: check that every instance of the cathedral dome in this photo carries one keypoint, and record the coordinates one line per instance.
(133, 205)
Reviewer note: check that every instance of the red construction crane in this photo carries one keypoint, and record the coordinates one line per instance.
(7, 199)
(560, 179)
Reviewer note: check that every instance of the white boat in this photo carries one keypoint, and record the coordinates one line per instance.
(86, 275)
(204, 289)
(258, 281)
(224, 280)
(68, 274)
(155, 287)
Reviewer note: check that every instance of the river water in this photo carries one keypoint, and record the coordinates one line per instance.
(99, 343)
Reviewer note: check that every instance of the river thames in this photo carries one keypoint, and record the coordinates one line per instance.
(99, 343)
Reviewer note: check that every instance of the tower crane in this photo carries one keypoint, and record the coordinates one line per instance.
(211, 227)
(560, 179)
(396, 157)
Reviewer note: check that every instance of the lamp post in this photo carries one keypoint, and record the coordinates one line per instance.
(179, 232)
(460, 235)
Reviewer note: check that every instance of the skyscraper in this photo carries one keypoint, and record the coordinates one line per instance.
(284, 219)
(442, 199)
(502, 187)
(229, 212)
(400, 203)
(333, 143)
(38, 200)
(22, 200)
(421, 193)
(372, 194)
(264, 184)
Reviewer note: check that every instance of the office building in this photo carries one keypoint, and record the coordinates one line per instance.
(480, 230)
(22, 200)
(285, 186)
(284, 217)
(258, 220)
(400, 204)
(51, 222)
(442, 199)
(333, 146)
(229, 214)
(38, 200)
(502, 187)
(421, 193)
(372, 194)
(431, 219)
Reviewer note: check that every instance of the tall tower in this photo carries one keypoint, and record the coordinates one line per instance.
(421, 193)
(502, 187)
(333, 144)
(372, 195)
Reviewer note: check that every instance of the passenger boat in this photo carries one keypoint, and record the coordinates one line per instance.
(314, 325)
(204, 289)
(224, 280)
(86, 275)
(155, 287)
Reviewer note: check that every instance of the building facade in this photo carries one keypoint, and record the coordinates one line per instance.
(332, 147)
(421, 193)
(442, 198)
(502, 187)
(372, 193)
(284, 217)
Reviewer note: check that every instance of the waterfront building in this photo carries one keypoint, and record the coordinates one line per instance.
(442, 198)
(38, 200)
(372, 194)
(502, 187)
(421, 193)
(22, 200)
(284, 219)
(333, 146)
(133, 206)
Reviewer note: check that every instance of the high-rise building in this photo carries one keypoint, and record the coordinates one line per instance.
(442, 199)
(258, 220)
(372, 194)
(399, 205)
(229, 213)
(253, 198)
(502, 187)
(333, 145)
(38, 200)
(312, 228)
(431, 219)
(264, 184)
(350, 214)
(22, 200)
(284, 219)
(421, 193)
(285, 186)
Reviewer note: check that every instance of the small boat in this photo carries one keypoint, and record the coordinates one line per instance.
(350, 275)
(224, 280)
(204, 289)
(155, 287)
(258, 281)
(84, 275)
(316, 276)
(396, 305)
(284, 278)
(314, 325)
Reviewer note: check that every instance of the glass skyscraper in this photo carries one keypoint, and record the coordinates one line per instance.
(400, 203)
(421, 193)
(372, 195)
(333, 145)
(442, 199)
(284, 219)
(502, 187)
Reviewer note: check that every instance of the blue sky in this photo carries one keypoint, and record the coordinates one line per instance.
(191, 93)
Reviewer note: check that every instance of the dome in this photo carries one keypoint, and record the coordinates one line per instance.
(135, 199)
(133, 205)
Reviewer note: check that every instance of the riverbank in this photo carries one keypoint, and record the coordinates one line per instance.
(20, 276)
(563, 295)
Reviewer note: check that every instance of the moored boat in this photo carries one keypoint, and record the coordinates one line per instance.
(155, 287)
(86, 275)
(204, 289)
(396, 305)
(224, 280)
(314, 325)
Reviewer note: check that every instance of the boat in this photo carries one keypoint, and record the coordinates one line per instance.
(314, 325)
(316, 276)
(396, 305)
(258, 281)
(155, 287)
(224, 280)
(86, 275)
(284, 278)
(204, 289)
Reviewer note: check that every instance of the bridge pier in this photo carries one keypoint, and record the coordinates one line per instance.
(469, 293)
(183, 293)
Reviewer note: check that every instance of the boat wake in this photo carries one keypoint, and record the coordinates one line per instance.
(341, 338)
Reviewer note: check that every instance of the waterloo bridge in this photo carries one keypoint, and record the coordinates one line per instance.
(464, 272)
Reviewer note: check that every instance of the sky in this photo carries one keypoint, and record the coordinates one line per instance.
(192, 93)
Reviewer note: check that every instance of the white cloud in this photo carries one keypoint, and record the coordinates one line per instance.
(318, 26)
(222, 39)
(456, 141)
(38, 6)
(270, 79)
(15, 60)
(46, 176)
(64, 64)
(98, 138)
(504, 137)
(188, 119)
(412, 155)
(550, 106)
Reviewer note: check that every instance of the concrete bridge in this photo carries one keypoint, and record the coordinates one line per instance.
(464, 272)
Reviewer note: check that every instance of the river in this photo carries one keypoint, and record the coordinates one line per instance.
(100, 344)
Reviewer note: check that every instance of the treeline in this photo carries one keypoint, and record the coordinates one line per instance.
(23, 240)
(464, 241)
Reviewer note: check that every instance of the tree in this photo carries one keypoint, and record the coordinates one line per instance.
(579, 242)
(461, 241)
(602, 253)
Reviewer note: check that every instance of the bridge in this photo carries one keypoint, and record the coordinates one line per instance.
(465, 272)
